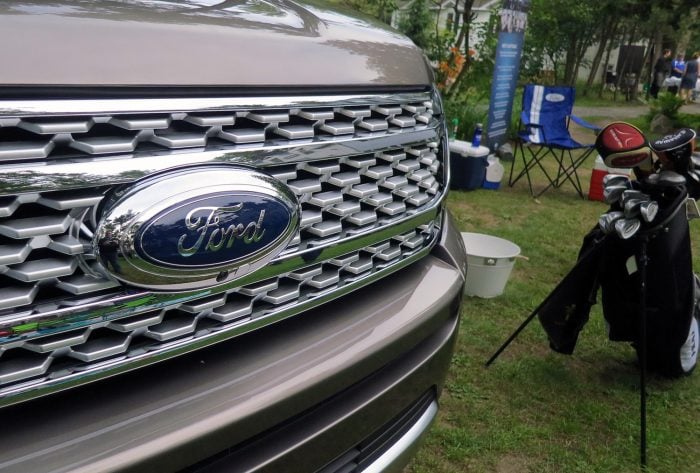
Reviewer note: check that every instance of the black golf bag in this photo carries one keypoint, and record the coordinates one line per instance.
(666, 293)
(638, 257)
(669, 289)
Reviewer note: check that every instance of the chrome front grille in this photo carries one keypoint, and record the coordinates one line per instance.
(28, 138)
(45, 236)
(359, 193)
(70, 353)
(42, 237)
(370, 204)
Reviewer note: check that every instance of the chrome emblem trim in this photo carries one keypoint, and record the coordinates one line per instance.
(194, 228)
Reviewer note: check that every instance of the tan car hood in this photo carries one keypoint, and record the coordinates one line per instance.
(199, 43)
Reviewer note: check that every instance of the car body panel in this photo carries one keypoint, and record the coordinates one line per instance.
(242, 44)
(203, 403)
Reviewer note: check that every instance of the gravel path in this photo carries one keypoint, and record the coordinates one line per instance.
(625, 110)
(601, 116)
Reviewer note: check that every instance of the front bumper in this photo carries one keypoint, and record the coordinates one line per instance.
(300, 395)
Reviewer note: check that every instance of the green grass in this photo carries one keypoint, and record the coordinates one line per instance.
(535, 410)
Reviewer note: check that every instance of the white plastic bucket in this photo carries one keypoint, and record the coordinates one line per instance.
(489, 262)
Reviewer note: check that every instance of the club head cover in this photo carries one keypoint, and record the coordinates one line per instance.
(675, 151)
(622, 145)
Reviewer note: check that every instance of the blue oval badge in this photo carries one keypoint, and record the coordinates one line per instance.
(194, 228)
(213, 231)
(555, 97)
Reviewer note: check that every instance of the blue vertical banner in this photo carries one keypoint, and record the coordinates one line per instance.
(506, 69)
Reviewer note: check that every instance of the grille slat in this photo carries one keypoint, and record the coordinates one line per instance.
(42, 269)
(35, 226)
(48, 138)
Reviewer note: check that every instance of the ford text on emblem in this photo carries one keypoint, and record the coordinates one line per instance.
(195, 228)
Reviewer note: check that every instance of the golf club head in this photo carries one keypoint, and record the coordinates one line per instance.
(616, 180)
(606, 222)
(649, 210)
(632, 207)
(612, 194)
(695, 160)
(676, 150)
(632, 194)
(622, 145)
(694, 175)
(666, 179)
(627, 227)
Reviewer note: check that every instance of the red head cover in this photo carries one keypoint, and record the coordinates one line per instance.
(622, 145)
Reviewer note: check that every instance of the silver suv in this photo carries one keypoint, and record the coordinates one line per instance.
(223, 239)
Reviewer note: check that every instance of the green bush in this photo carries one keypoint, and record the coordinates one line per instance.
(463, 112)
(667, 104)
(515, 115)
(686, 120)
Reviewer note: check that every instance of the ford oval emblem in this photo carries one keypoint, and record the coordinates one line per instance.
(195, 228)
(554, 97)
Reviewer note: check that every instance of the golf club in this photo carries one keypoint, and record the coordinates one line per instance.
(632, 203)
(612, 194)
(606, 222)
(649, 210)
(616, 180)
(627, 227)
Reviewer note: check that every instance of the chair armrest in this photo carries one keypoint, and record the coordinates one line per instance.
(581, 122)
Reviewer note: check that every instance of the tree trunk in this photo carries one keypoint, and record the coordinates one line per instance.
(437, 19)
(555, 66)
(570, 61)
(580, 53)
(456, 25)
(607, 33)
(463, 37)
(622, 75)
(607, 62)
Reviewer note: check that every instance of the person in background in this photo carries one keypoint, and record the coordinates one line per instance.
(678, 67)
(662, 69)
(689, 78)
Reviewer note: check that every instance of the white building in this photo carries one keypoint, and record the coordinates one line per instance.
(445, 13)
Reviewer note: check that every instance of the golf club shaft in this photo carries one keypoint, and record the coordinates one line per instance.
(643, 353)
(516, 333)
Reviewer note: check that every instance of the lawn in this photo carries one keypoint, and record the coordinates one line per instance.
(535, 410)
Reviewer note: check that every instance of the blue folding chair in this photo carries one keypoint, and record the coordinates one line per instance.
(544, 131)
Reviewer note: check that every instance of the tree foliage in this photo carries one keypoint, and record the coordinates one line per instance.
(380, 9)
(558, 34)
(417, 23)
(561, 31)
(563, 37)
